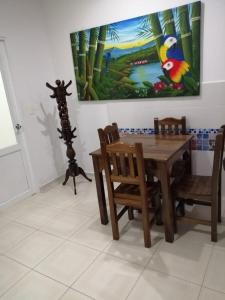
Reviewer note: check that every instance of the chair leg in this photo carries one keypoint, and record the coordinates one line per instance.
(114, 221)
(219, 206)
(214, 233)
(174, 217)
(146, 227)
(130, 213)
(158, 209)
(214, 221)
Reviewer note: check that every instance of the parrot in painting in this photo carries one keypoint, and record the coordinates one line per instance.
(175, 69)
(173, 64)
(169, 49)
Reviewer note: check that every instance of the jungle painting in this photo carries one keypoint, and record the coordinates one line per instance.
(156, 55)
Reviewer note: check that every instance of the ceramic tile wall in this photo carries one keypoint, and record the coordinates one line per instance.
(203, 140)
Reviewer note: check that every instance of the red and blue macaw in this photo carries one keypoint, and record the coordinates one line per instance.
(169, 49)
(175, 69)
(173, 64)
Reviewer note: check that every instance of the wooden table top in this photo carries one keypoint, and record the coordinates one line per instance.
(157, 147)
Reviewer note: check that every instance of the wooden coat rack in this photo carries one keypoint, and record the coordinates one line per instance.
(66, 133)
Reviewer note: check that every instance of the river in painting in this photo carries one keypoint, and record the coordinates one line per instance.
(147, 72)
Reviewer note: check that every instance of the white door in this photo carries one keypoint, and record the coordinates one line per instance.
(15, 171)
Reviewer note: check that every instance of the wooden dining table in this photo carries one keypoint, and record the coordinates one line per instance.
(163, 150)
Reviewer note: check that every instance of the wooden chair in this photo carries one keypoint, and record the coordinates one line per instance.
(170, 126)
(109, 134)
(132, 191)
(175, 126)
(222, 130)
(203, 190)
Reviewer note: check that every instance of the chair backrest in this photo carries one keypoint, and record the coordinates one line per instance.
(217, 163)
(222, 130)
(109, 134)
(170, 125)
(222, 163)
(125, 164)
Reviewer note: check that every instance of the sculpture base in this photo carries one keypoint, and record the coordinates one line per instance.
(73, 171)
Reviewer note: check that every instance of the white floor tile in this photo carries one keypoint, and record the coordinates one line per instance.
(12, 234)
(73, 295)
(67, 262)
(86, 193)
(10, 272)
(38, 216)
(35, 286)
(87, 207)
(4, 221)
(174, 271)
(130, 246)
(63, 197)
(65, 224)
(215, 275)
(108, 278)
(200, 234)
(182, 259)
(159, 286)
(34, 248)
(15, 209)
(58, 197)
(220, 244)
(93, 234)
(207, 294)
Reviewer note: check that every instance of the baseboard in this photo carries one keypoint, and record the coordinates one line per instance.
(16, 199)
(52, 183)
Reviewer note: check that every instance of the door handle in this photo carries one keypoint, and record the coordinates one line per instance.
(18, 126)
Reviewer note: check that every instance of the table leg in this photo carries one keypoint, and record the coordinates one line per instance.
(167, 205)
(187, 159)
(190, 159)
(100, 191)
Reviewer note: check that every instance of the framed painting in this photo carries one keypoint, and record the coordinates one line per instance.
(152, 56)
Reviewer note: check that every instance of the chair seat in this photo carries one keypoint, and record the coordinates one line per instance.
(132, 192)
(195, 187)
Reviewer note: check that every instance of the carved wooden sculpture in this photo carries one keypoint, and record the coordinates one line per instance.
(66, 133)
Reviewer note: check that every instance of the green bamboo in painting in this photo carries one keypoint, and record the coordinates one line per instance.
(82, 55)
(168, 22)
(157, 30)
(152, 56)
(91, 94)
(92, 49)
(73, 40)
(82, 62)
(74, 53)
(185, 32)
(99, 53)
(196, 20)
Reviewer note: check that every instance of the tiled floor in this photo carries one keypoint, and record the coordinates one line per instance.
(52, 246)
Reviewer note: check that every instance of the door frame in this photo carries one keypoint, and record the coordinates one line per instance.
(16, 118)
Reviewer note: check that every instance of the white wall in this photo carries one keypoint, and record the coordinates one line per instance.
(38, 43)
(208, 110)
(205, 111)
(31, 65)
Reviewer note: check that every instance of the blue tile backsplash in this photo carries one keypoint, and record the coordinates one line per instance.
(203, 140)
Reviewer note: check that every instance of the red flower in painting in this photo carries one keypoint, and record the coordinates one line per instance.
(158, 86)
(176, 85)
